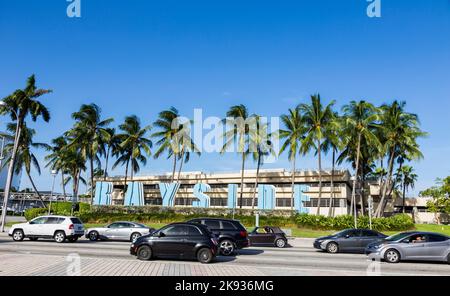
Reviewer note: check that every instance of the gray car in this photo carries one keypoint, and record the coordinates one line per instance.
(415, 246)
(121, 230)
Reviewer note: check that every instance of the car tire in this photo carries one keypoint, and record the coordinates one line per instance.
(280, 243)
(332, 248)
(18, 235)
(72, 239)
(392, 256)
(226, 247)
(33, 239)
(93, 236)
(144, 253)
(59, 237)
(204, 255)
(134, 236)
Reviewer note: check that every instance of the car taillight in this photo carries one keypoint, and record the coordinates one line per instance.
(71, 226)
(243, 233)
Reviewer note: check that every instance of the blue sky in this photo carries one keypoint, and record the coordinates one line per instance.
(140, 57)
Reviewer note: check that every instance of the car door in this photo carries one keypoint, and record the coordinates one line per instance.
(350, 241)
(194, 236)
(411, 248)
(255, 236)
(170, 241)
(111, 230)
(267, 237)
(435, 247)
(214, 226)
(367, 237)
(36, 227)
(124, 230)
(50, 226)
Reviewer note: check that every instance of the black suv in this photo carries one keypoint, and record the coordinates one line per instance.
(230, 233)
(177, 240)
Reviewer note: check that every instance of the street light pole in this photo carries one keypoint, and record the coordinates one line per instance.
(10, 169)
(54, 172)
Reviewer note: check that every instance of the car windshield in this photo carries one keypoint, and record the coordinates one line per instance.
(398, 236)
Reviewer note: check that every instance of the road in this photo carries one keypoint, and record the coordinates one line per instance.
(112, 258)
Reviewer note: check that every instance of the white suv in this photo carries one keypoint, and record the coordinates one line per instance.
(59, 228)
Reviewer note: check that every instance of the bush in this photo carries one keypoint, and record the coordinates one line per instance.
(394, 223)
(34, 212)
(58, 208)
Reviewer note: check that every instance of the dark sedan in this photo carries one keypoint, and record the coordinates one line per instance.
(348, 240)
(179, 241)
(272, 236)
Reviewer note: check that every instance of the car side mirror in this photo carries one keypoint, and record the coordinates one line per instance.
(31, 222)
(405, 241)
(347, 236)
(161, 234)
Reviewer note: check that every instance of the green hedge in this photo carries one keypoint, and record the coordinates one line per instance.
(394, 223)
(58, 208)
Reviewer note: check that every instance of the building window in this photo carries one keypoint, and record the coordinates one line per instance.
(218, 202)
(283, 202)
(324, 202)
(154, 201)
(246, 202)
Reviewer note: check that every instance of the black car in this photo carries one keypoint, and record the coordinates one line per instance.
(348, 240)
(177, 240)
(231, 234)
(267, 235)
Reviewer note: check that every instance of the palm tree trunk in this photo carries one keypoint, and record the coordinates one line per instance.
(404, 192)
(241, 198)
(91, 160)
(63, 184)
(380, 207)
(35, 189)
(256, 181)
(126, 175)
(355, 178)
(105, 173)
(181, 165)
(330, 210)
(174, 166)
(293, 183)
(362, 191)
(319, 148)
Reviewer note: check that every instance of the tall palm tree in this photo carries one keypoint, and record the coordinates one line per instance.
(134, 145)
(56, 159)
(75, 164)
(238, 116)
(25, 157)
(112, 145)
(293, 132)
(360, 120)
(317, 121)
(401, 130)
(89, 133)
(260, 147)
(407, 178)
(19, 105)
(186, 145)
(169, 126)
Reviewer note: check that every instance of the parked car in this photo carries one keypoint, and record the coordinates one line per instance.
(348, 240)
(121, 230)
(179, 241)
(231, 234)
(267, 235)
(421, 246)
(59, 228)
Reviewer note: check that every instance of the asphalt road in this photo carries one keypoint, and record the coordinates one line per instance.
(46, 257)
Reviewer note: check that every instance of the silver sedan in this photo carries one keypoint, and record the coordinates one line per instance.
(414, 246)
(121, 230)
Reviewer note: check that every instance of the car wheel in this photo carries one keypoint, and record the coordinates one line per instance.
(144, 253)
(18, 235)
(93, 235)
(226, 247)
(59, 237)
(135, 236)
(72, 239)
(332, 248)
(33, 239)
(392, 256)
(204, 255)
(280, 243)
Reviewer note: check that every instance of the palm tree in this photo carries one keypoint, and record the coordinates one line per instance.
(186, 146)
(25, 158)
(134, 146)
(112, 145)
(20, 104)
(169, 126)
(294, 132)
(333, 140)
(407, 178)
(401, 130)
(260, 146)
(359, 124)
(89, 133)
(317, 121)
(239, 117)
(75, 164)
(56, 159)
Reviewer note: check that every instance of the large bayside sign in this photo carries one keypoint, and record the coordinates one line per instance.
(134, 196)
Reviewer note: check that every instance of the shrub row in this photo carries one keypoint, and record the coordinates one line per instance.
(58, 208)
